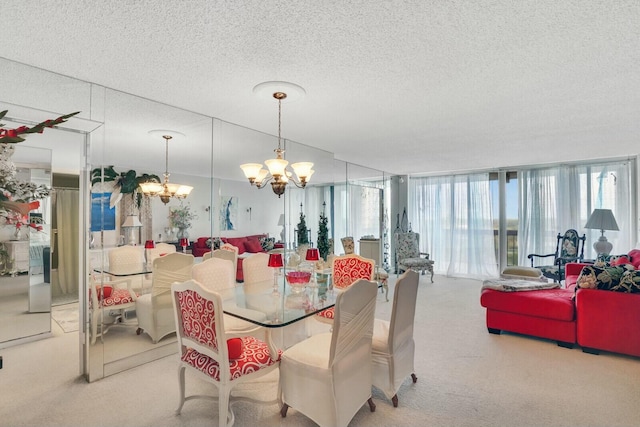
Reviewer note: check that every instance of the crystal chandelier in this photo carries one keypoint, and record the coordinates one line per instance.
(165, 190)
(278, 174)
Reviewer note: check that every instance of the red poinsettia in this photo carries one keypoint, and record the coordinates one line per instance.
(12, 136)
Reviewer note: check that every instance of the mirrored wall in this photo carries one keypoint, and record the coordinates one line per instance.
(121, 139)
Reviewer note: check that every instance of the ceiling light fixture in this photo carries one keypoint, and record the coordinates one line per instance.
(165, 190)
(278, 173)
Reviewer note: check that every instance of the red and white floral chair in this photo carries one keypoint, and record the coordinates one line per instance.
(108, 302)
(205, 349)
(345, 270)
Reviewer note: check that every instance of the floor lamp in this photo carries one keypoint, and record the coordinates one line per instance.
(602, 219)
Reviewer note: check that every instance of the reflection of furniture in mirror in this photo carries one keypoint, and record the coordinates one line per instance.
(154, 311)
(108, 303)
(370, 248)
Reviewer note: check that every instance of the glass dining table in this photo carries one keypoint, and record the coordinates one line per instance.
(277, 305)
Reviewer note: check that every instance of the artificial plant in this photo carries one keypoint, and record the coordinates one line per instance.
(303, 237)
(124, 182)
(323, 235)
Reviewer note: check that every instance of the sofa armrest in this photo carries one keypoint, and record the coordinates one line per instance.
(574, 268)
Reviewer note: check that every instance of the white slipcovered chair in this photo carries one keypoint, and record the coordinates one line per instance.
(204, 348)
(154, 310)
(128, 261)
(328, 376)
(255, 269)
(235, 250)
(223, 254)
(345, 270)
(393, 346)
(160, 249)
(217, 275)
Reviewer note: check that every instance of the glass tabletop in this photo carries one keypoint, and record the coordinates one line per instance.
(125, 270)
(281, 304)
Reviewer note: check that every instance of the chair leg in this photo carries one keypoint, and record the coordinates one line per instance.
(283, 410)
(372, 405)
(414, 378)
(394, 400)
(181, 384)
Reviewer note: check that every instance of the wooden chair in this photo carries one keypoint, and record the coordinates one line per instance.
(205, 350)
(408, 255)
(569, 248)
(109, 299)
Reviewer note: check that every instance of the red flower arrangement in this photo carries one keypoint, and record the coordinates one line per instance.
(12, 136)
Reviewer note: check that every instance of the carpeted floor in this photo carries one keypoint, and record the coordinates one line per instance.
(466, 377)
(66, 316)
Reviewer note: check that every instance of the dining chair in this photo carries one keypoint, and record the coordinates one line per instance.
(255, 268)
(109, 299)
(348, 245)
(160, 249)
(217, 275)
(204, 348)
(393, 347)
(345, 270)
(328, 376)
(153, 309)
(128, 260)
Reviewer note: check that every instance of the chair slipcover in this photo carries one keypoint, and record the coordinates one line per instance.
(160, 249)
(345, 270)
(154, 312)
(393, 346)
(408, 255)
(255, 268)
(203, 347)
(327, 377)
(128, 260)
(216, 275)
(235, 250)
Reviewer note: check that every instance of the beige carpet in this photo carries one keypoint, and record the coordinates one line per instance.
(466, 377)
(66, 316)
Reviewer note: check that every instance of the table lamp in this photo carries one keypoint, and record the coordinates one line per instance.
(313, 255)
(132, 222)
(602, 219)
(275, 261)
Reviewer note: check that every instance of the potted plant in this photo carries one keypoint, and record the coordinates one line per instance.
(303, 236)
(180, 218)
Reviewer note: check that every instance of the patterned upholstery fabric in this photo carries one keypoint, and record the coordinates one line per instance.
(348, 245)
(408, 254)
(346, 270)
(569, 248)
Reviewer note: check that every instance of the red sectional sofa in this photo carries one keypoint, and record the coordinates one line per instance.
(250, 244)
(595, 319)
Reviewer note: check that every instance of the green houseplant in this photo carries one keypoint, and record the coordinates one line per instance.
(303, 236)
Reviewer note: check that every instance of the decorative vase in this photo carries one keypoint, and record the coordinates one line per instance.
(182, 233)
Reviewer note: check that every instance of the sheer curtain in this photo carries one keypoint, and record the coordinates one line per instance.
(67, 241)
(454, 218)
(553, 200)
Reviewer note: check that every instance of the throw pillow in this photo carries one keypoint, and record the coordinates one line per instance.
(619, 260)
(235, 348)
(592, 277)
(267, 243)
(253, 246)
(629, 282)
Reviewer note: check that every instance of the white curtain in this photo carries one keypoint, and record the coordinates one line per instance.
(453, 216)
(553, 200)
(67, 240)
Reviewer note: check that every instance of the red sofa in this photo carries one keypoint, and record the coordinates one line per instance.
(593, 318)
(250, 244)
(606, 320)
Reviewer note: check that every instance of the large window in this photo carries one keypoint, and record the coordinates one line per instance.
(463, 218)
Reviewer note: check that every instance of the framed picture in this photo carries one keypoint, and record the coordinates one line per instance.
(228, 212)
(103, 217)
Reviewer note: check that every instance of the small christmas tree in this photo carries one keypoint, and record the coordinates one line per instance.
(323, 235)
(303, 237)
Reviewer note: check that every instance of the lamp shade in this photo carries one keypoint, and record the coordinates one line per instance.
(602, 219)
(313, 254)
(184, 242)
(275, 260)
(149, 244)
(132, 221)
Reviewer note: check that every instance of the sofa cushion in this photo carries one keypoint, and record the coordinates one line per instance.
(634, 256)
(547, 303)
(593, 277)
(238, 242)
(253, 246)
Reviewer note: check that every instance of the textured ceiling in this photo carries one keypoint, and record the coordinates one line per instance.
(414, 86)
